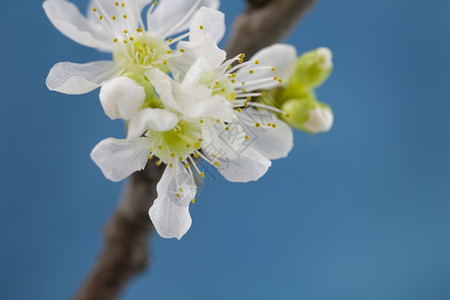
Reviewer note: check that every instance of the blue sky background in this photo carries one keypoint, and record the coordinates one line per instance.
(362, 212)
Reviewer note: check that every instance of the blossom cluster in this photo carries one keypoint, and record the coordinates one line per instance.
(184, 102)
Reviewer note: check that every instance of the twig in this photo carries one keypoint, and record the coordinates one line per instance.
(125, 252)
(126, 235)
(265, 22)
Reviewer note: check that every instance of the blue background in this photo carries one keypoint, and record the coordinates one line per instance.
(362, 212)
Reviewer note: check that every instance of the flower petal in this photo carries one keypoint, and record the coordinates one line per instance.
(238, 161)
(121, 98)
(120, 158)
(170, 211)
(66, 17)
(205, 48)
(171, 17)
(280, 56)
(151, 118)
(273, 143)
(207, 22)
(75, 79)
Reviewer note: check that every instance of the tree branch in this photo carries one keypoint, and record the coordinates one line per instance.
(125, 252)
(126, 235)
(265, 22)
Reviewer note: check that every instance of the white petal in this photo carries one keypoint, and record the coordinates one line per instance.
(170, 213)
(171, 17)
(273, 143)
(215, 107)
(238, 161)
(75, 79)
(166, 88)
(120, 158)
(66, 17)
(151, 118)
(121, 98)
(207, 22)
(320, 120)
(280, 56)
(205, 48)
(249, 165)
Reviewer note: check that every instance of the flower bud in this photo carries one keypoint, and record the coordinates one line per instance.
(308, 114)
(121, 98)
(312, 69)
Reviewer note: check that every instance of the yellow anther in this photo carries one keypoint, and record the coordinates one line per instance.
(222, 89)
(217, 83)
(246, 137)
(263, 94)
(124, 16)
(240, 60)
(169, 40)
(193, 201)
(239, 109)
(251, 71)
(201, 27)
(139, 30)
(287, 115)
(227, 128)
(165, 62)
(123, 4)
(180, 158)
(180, 189)
(274, 125)
(115, 40)
(172, 154)
(125, 41)
(100, 17)
(229, 67)
(258, 125)
(274, 69)
(246, 104)
(242, 55)
(169, 51)
(94, 9)
(233, 81)
(280, 80)
(275, 78)
(131, 38)
(197, 145)
(244, 90)
(188, 146)
(249, 98)
(158, 163)
(200, 140)
(171, 165)
(155, 2)
(218, 120)
(160, 147)
(178, 195)
(217, 164)
(150, 156)
(243, 82)
(117, 3)
(269, 124)
(125, 31)
(182, 50)
(186, 165)
(196, 155)
(114, 18)
(202, 174)
(256, 62)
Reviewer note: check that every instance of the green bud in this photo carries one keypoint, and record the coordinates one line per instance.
(312, 69)
(308, 114)
(150, 98)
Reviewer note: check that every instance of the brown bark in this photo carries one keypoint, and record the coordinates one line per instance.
(126, 235)
(265, 22)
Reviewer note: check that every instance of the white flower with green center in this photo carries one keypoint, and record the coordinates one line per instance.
(117, 27)
(205, 120)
